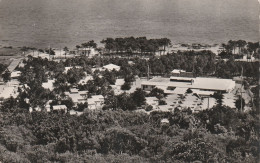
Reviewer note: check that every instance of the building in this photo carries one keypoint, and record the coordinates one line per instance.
(77, 96)
(9, 91)
(96, 102)
(111, 67)
(60, 108)
(14, 64)
(177, 72)
(73, 112)
(169, 85)
(90, 52)
(15, 74)
(68, 68)
(117, 86)
(183, 73)
(48, 85)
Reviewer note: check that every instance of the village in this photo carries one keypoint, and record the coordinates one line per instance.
(179, 89)
(139, 81)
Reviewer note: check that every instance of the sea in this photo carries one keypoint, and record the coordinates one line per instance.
(60, 23)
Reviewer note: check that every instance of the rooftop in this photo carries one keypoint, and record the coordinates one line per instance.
(78, 96)
(177, 71)
(199, 83)
(15, 74)
(48, 85)
(13, 64)
(8, 92)
(96, 98)
(110, 67)
(59, 107)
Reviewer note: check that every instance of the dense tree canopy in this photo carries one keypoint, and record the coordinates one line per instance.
(218, 135)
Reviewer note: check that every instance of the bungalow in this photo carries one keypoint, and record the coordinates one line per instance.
(13, 64)
(48, 85)
(9, 91)
(90, 52)
(60, 108)
(96, 102)
(77, 96)
(111, 67)
(177, 72)
(73, 112)
(15, 74)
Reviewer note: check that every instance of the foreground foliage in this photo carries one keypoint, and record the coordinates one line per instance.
(220, 134)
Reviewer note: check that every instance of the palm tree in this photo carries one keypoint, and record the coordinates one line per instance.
(66, 49)
(165, 42)
(232, 45)
(241, 44)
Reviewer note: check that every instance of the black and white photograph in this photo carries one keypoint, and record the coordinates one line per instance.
(129, 81)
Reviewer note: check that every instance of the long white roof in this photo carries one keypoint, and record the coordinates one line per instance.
(199, 83)
(59, 107)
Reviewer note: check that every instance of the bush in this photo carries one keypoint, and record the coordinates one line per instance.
(149, 108)
(162, 102)
(126, 86)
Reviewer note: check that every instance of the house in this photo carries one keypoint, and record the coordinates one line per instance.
(48, 85)
(117, 86)
(77, 96)
(14, 64)
(15, 74)
(111, 67)
(177, 72)
(96, 102)
(165, 121)
(73, 112)
(9, 91)
(90, 52)
(14, 83)
(40, 54)
(181, 73)
(60, 108)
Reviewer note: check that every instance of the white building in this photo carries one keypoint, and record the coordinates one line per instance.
(48, 85)
(77, 96)
(9, 91)
(111, 67)
(90, 52)
(59, 108)
(15, 74)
